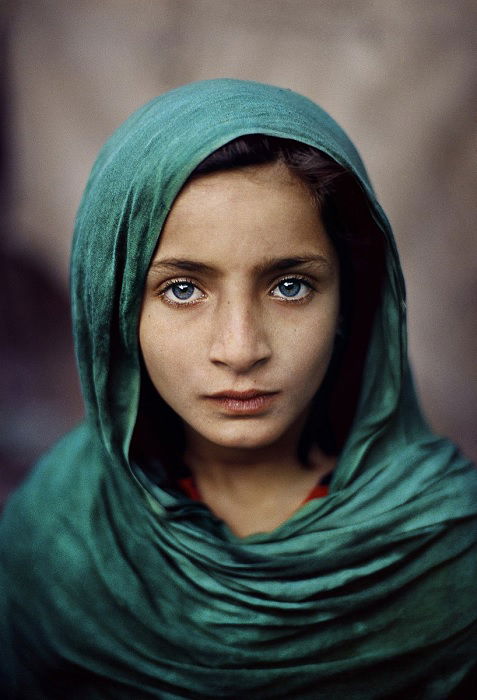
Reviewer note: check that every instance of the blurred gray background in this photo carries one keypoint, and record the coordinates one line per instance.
(400, 77)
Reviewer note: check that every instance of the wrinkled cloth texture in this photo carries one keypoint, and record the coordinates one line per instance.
(114, 587)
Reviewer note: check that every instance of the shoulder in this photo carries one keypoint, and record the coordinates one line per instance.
(42, 549)
(54, 483)
(47, 513)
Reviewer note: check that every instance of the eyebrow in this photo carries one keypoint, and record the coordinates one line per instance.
(279, 264)
(268, 265)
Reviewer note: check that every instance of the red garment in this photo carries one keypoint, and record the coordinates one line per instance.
(318, 491)
(189, 487)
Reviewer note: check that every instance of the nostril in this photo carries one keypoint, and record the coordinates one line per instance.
(240, 351)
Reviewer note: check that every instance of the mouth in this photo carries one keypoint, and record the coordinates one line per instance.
(243, 403)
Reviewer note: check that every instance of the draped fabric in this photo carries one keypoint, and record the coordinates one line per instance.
(116, 587)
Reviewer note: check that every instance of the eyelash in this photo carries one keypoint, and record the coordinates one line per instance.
(171, 283)
(290, 300)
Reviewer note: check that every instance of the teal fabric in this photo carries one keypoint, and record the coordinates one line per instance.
(113, 587)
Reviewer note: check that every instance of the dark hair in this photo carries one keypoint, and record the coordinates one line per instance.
(359, 244)
(317, 170)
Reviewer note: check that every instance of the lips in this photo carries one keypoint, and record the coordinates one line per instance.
(244, 403)
(240, 395)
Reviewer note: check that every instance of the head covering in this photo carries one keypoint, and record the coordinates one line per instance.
(116, 587)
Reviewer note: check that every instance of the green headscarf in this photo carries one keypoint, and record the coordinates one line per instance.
(114, 587)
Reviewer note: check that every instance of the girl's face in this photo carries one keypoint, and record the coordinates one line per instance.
(240, 307)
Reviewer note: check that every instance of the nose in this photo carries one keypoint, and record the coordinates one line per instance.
(239, 338)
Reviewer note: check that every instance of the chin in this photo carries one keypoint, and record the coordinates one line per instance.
(243, 443)
(248, 437)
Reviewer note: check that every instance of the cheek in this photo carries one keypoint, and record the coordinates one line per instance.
(170, 352)
(311, 350)
(315, 356)
(155, 344)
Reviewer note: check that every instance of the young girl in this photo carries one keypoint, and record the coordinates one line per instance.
(253, 506)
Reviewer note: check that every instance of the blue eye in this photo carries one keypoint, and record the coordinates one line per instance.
(291, 288)
(182, 290)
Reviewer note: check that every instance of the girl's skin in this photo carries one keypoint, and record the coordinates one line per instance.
(243, 296)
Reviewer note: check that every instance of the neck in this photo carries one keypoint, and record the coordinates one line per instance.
(253, 475)
(236, 469)
(254, 490)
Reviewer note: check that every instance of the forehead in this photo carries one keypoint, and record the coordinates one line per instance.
(244, 213)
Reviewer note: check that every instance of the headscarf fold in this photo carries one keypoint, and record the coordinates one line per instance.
(116, 587)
